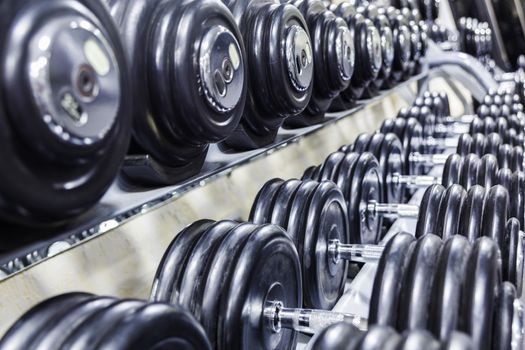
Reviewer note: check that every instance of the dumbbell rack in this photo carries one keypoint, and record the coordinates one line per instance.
(115, 249)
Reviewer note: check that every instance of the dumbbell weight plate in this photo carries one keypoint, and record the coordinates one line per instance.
(330, 166)
(450, 211)
(488, 171)
(377, 337)
(198, 265)
(361, 143)
(261, 209)
(428, 210)
(326, 220)
(391, 160)
(214, 288)
(344, 173)
(282, 203)
(479, 144)
(464, 145)
(308, 173)
(517, 190)
(22, 333)
(494, 142)
(366, 187)
(451, 170)
(513, 267)
(297, 219)
(482, 275)
(411, 133)
(446, 294)
(95, 327)
(457, 341)
(169, 273)
(55, 331)
(339, 336)
(417, 286)
(156, 325)
(495, 213)
(418, 339)
(267, 269)
(472, 213)
(391, 271)
(387, 126)
(469, 171)
(516, 160)
(502, 328)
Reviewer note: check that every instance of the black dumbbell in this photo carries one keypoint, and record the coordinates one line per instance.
(344, 335)
(368, 54)
(65, 113)
(279, 55)
(334, 57)
(250, 280)
(382, 24)
(188, 86)
(82, 320)
(314, 215)
(410, 133)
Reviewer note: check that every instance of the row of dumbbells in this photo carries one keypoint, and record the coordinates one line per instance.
(475, 38)
(455, 281)
(82, 78)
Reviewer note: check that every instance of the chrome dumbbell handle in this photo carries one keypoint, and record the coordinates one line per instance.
(394, 210)
(360, 253)
(306, 321)
(414, 181)
(448, 142)
(428, 159)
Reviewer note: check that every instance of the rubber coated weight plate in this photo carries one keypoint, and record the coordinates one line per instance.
(260, 212)
(472, 213)
(377, 337)
(505, 178)
(450, 211)
(156, 325)
(95, 327)
(339, 336)
(283, 202)
(343, 177)
(513, 267)
(517, 202)
(297, 219)
(429, 210)
(464, 145)
(483, 275)
(488, 171)
(389, 153)
(469, 171)
(516, 158)
(448, 282)
(495, 211)
(198, 266)
(412, 138)
(387, 126)
(417, 286)
(366, 187)
(308, 173)
(267, 269)
(476, 126)
(452, 170)
(56, 330)
(504, 317)
(493, 144)
(326, 220)
(22, 333)
(330, 165)
(504, 156)
(388, 281)
(418, 339)
(166, 282)
(216, 285)
(458, 341)
(361, 143)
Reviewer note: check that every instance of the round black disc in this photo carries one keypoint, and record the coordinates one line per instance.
(472, 213)
(261, 209)
(452, 170)
(504, 317)
(428, 210)
(450, 211)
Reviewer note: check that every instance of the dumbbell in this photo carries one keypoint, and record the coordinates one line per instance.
(344, 335)
(248, 279)
(65, 113)
(368, 54)
(475, 37)
(418, 43)
(410, 133)
(188, 86)
(360, 178)
(82, 321)
(315, 217)
(382, 24)
(334, 56)
(279, 56)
